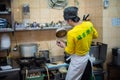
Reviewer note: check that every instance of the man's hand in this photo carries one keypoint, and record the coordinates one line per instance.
(61, 43)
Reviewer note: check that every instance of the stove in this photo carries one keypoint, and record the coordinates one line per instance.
(30, 65)
(31, 62)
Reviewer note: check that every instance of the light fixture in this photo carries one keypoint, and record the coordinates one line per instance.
(106, 4)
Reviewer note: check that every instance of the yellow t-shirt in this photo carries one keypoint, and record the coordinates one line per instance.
(80, 37)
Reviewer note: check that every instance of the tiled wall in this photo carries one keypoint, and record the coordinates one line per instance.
(94, 8)
(111, 34)
(39, 11)
(42, 13)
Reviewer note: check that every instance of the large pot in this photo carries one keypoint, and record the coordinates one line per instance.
(28, 50)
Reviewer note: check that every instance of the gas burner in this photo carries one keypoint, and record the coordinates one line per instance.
(24, 62)
(28, 58)
(31, 62)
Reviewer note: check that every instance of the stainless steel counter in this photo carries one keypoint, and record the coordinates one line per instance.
(11, 74)
(9, 70)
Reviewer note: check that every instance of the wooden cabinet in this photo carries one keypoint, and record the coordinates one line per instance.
(98, 70)
(113, 72)
(12, 74)
(6, 16)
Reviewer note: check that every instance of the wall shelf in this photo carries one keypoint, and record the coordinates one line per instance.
(45, 28)
(6, 30)
(39, 28)
(5, 12)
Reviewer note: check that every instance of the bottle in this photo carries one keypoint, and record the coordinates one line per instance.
(9, 59)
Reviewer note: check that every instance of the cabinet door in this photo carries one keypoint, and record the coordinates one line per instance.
(10, 76)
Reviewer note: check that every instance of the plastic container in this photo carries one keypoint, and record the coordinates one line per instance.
(99, 75)
(5, 41)
(116, 56)
(99, 51)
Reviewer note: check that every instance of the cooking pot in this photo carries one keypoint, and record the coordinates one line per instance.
(28, 50)
(45, 54)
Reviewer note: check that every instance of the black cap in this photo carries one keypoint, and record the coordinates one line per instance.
(70, 12)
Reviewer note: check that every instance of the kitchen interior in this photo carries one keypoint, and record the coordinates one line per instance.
(28, 49)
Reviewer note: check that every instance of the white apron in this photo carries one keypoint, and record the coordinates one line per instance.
(77, 67)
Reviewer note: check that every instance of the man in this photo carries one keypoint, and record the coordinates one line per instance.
(79, 40)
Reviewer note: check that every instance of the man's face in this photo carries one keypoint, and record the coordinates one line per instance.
(69, 22)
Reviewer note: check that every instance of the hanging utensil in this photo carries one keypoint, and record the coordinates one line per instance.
(58, 4)
(85, 17)
(76, 2)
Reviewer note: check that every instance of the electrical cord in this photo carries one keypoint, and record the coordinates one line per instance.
(47, 72)
(26, 73)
